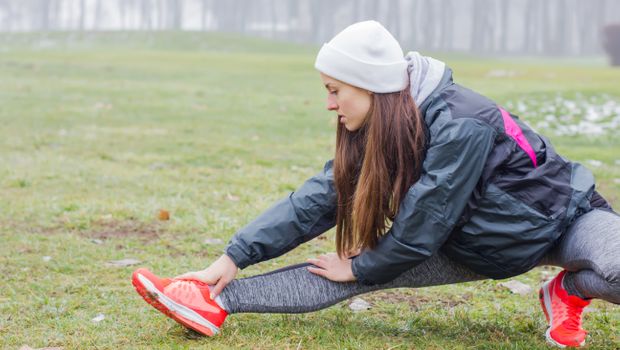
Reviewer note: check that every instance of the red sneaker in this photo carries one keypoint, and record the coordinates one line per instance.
(185, 301)
(563, 312)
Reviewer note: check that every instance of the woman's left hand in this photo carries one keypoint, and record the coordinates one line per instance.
(332, 267)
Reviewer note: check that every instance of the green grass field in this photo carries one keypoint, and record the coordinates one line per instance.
(99, 132)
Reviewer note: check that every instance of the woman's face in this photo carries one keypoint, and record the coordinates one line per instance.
(350, 102)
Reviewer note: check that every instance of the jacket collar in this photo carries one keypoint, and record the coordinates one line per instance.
(446, 80)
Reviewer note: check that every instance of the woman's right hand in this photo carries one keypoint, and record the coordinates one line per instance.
(219, 273)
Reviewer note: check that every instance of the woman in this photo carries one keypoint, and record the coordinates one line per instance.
(470, 192)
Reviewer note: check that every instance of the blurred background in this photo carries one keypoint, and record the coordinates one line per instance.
(497, 27)
(147, 132)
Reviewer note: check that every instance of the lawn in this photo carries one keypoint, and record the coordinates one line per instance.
(98, 132)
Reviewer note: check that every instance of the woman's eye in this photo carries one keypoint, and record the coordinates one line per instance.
(333, 92)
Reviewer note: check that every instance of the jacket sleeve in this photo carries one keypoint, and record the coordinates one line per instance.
(295, 219)
(427, 214)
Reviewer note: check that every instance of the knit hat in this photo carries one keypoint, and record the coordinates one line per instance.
(365, 55)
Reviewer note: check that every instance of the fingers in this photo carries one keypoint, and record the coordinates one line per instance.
(317, 262)
(187, 276)
(317, 271)
(218, 288)
(198, 276)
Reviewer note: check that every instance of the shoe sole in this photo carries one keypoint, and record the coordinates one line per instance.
(545, 303)
(168, 307)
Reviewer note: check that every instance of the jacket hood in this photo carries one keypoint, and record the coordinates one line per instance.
(425, 75)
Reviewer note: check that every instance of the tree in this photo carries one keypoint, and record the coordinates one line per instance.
(205, 8)
(43, 9)
(446, 33)
(504, 25)
(146, 14)
(483, 26)
(393, 18)
(533, 20)
(82, 20)
(98, 14)
(6, 15)
(175, 12)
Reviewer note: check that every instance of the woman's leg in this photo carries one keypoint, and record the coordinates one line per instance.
(294, 289)
(590, 251)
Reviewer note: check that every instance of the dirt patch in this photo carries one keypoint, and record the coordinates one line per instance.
(110, 229)
(416, 301)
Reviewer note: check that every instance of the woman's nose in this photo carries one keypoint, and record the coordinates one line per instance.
(331, 105)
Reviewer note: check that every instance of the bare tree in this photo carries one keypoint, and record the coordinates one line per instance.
(358, 9)
(562, 35)
(293, 21)
(372, 9)
(146, 14)
(316, 11)
(446, 21)
(205, 7)
(411, 37)
(43, 8)
(482, 27)
(533, 21)
(161, 14)
(427, 32)
(556, 27)
(174, 11)
(98, 20)
(504, 25)
(393, 17)
(122, 12)
(82, 21)
(6, 15)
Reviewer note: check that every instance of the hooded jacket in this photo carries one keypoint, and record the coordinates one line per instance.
(493, 195)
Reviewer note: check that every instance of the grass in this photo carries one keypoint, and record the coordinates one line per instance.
(100, 131)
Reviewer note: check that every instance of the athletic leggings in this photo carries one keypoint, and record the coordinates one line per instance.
(589, 250)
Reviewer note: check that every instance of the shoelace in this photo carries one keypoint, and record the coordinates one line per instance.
(570, 316)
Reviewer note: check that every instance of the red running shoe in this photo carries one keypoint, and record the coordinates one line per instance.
(563, 312)
(185, 301)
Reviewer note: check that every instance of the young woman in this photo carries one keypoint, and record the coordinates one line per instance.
(471, 192)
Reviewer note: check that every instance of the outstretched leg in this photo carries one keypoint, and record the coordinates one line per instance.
(294, 289)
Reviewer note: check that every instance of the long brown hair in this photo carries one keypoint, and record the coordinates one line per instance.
(374, 166)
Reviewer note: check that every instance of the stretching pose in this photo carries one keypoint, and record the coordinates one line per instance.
(471, 193)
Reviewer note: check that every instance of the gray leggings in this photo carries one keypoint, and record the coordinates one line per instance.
(589, 250)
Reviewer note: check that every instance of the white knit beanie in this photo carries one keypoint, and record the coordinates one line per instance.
(365, 55)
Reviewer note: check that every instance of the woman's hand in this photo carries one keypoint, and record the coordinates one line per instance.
(220, 273)
(332, 267)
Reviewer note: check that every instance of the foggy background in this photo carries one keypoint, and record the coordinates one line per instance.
(503, 27)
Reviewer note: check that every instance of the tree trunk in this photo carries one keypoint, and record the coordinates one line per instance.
(176, 14)
(533, 20)
(203, 14)
(504, 27)
(446, 32)
(6, 15)
(358, 9)
(316, 13)
(293, 21)
(372, 9)
(146, 14)
(393, 18)
(82, 15)
(98, 15)
(412, 35)
(273, 17)
(44, 15)
(562, 35)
